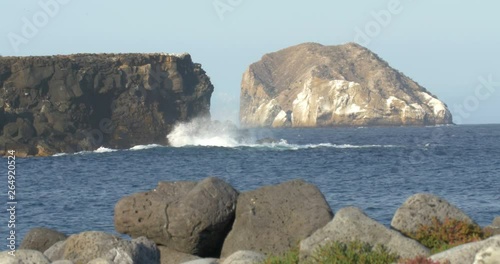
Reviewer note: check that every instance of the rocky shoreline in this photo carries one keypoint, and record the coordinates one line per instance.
(211, 222)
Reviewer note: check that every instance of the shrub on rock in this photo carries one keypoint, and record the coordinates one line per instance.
(440, 236)
(351, 224)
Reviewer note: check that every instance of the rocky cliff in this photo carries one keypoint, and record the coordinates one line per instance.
(312, 85)
(80, 102)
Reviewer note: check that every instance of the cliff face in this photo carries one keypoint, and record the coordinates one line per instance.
(311, 85)
(81, 102)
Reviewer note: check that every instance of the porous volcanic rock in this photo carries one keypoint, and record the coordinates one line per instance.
(189, 217)
(273, 219)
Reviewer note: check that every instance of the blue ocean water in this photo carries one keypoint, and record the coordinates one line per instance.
(375, 169)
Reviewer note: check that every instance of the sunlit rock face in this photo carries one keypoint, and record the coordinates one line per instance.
(311, 85)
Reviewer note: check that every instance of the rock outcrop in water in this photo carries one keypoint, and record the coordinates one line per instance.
(312, 85)
(81, 102)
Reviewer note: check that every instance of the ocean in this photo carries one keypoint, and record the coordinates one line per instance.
(375, 169)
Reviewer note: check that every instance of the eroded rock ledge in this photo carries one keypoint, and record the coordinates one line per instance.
(311, 85)
(71, 103)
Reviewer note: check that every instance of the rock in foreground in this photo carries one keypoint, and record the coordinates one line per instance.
(419, 210)
(482, 252)
(41, 239)
(273, 219)
(189, 217)
(312, 85)
(351, 224)
(81, 102)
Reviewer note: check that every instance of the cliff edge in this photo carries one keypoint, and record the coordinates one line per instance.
(55, 104)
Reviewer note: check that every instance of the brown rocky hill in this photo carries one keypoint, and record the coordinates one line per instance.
(80, 102)
(312, 85)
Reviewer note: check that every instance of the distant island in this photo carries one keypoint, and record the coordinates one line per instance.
(311, 85)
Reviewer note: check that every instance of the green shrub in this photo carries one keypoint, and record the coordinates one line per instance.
(341, 253)
(353, 252)
(421, 260)
(440, 236)
(291, 257)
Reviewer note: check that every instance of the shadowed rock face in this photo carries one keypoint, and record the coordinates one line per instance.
(81, 102)
(312, 85)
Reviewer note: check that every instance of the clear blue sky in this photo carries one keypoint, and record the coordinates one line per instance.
(447, 46)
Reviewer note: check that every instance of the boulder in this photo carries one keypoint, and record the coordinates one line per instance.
(56, 251)
(494, 228)
(100, 261)
(351, 224)
(24, 256)
(203, 261)
(87, 246)
(421, 208)
(170, 256)
(472, 252)
(273, 219)
(311, 85)
(65, 262)
(496, 221)
(245, 257)
(488, 255)
(41, 239)
(192, 218)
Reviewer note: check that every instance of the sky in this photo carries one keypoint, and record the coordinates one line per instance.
(449, 47)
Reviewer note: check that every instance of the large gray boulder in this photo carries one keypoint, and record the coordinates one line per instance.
(87, 246)
(24, 256)
(41, 239)
(245, 257)
(421, 208)
(189, 217)
(66, 262)
(494, 228)
(351, 224)
(482, 252)
(273, 219)
(170, 256)
(56, 251)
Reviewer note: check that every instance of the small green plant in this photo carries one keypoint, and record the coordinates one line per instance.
(421, 260)
(340, 253)
(353, 252)
(291, 257)
(441, 236)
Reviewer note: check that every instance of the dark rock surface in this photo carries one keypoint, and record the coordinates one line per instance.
(273, 219)
(189, 217)
(80, 102)
(41, 239)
